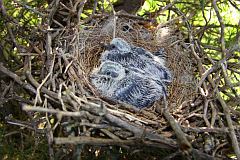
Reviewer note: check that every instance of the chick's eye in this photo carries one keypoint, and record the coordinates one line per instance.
(112, 47)
(104, 79)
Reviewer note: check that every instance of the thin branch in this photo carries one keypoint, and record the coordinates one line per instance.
(53, 111)
(224, 105)
(106, 142)
(114, 19)
(17, 79)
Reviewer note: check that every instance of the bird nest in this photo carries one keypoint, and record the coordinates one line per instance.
(83, 116)
(77, 51)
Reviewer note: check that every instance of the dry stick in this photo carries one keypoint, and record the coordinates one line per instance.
(17, 79)
(118, 142)
(34, 10)
(106, 142)
(128, 116)
(24, 124)
(224, 105)
(6, 23)
(49, 133)
(214, 114)
(71, 71)
(80, 10)
(60, 97)
(64, 6)
(96, 109)
(87, 20)
(138, 132)
(99, 126)
(227, 81)
(53, 111)
(54, 6)
(205, 109)
(222, 28)
(215, 67)
(219, 146)
(205, 129)
(38, 97)
(184, 144)
(169, 5)
(182, 140)
(49, 54)
(114, 19)
(43, 89)
(6, 90)
(110, 134)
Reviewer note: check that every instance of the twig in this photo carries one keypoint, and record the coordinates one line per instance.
(93, 12)
(4, 13)
(80, 10)
(38, 97)
(128, 116)
(24, 124)
(214, 68)
(114, 19)
(106, 142)
(109, 134)
(217, 148)
(54, 6)
(6, 90)
(17, 79)
(205, 129)
(49, 133)
(43, 89)
(34, 10)
(169, 5)
(60, 97)
(184, 144)
(182, 140)
(53, 111)
(232, 135)
(205, 109)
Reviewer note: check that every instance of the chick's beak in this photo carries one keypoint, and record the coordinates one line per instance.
(109, 47)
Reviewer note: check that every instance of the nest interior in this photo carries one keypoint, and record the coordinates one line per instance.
(85, 46)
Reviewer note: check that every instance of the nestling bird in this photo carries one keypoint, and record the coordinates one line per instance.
(138, 59)
(119, 84)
